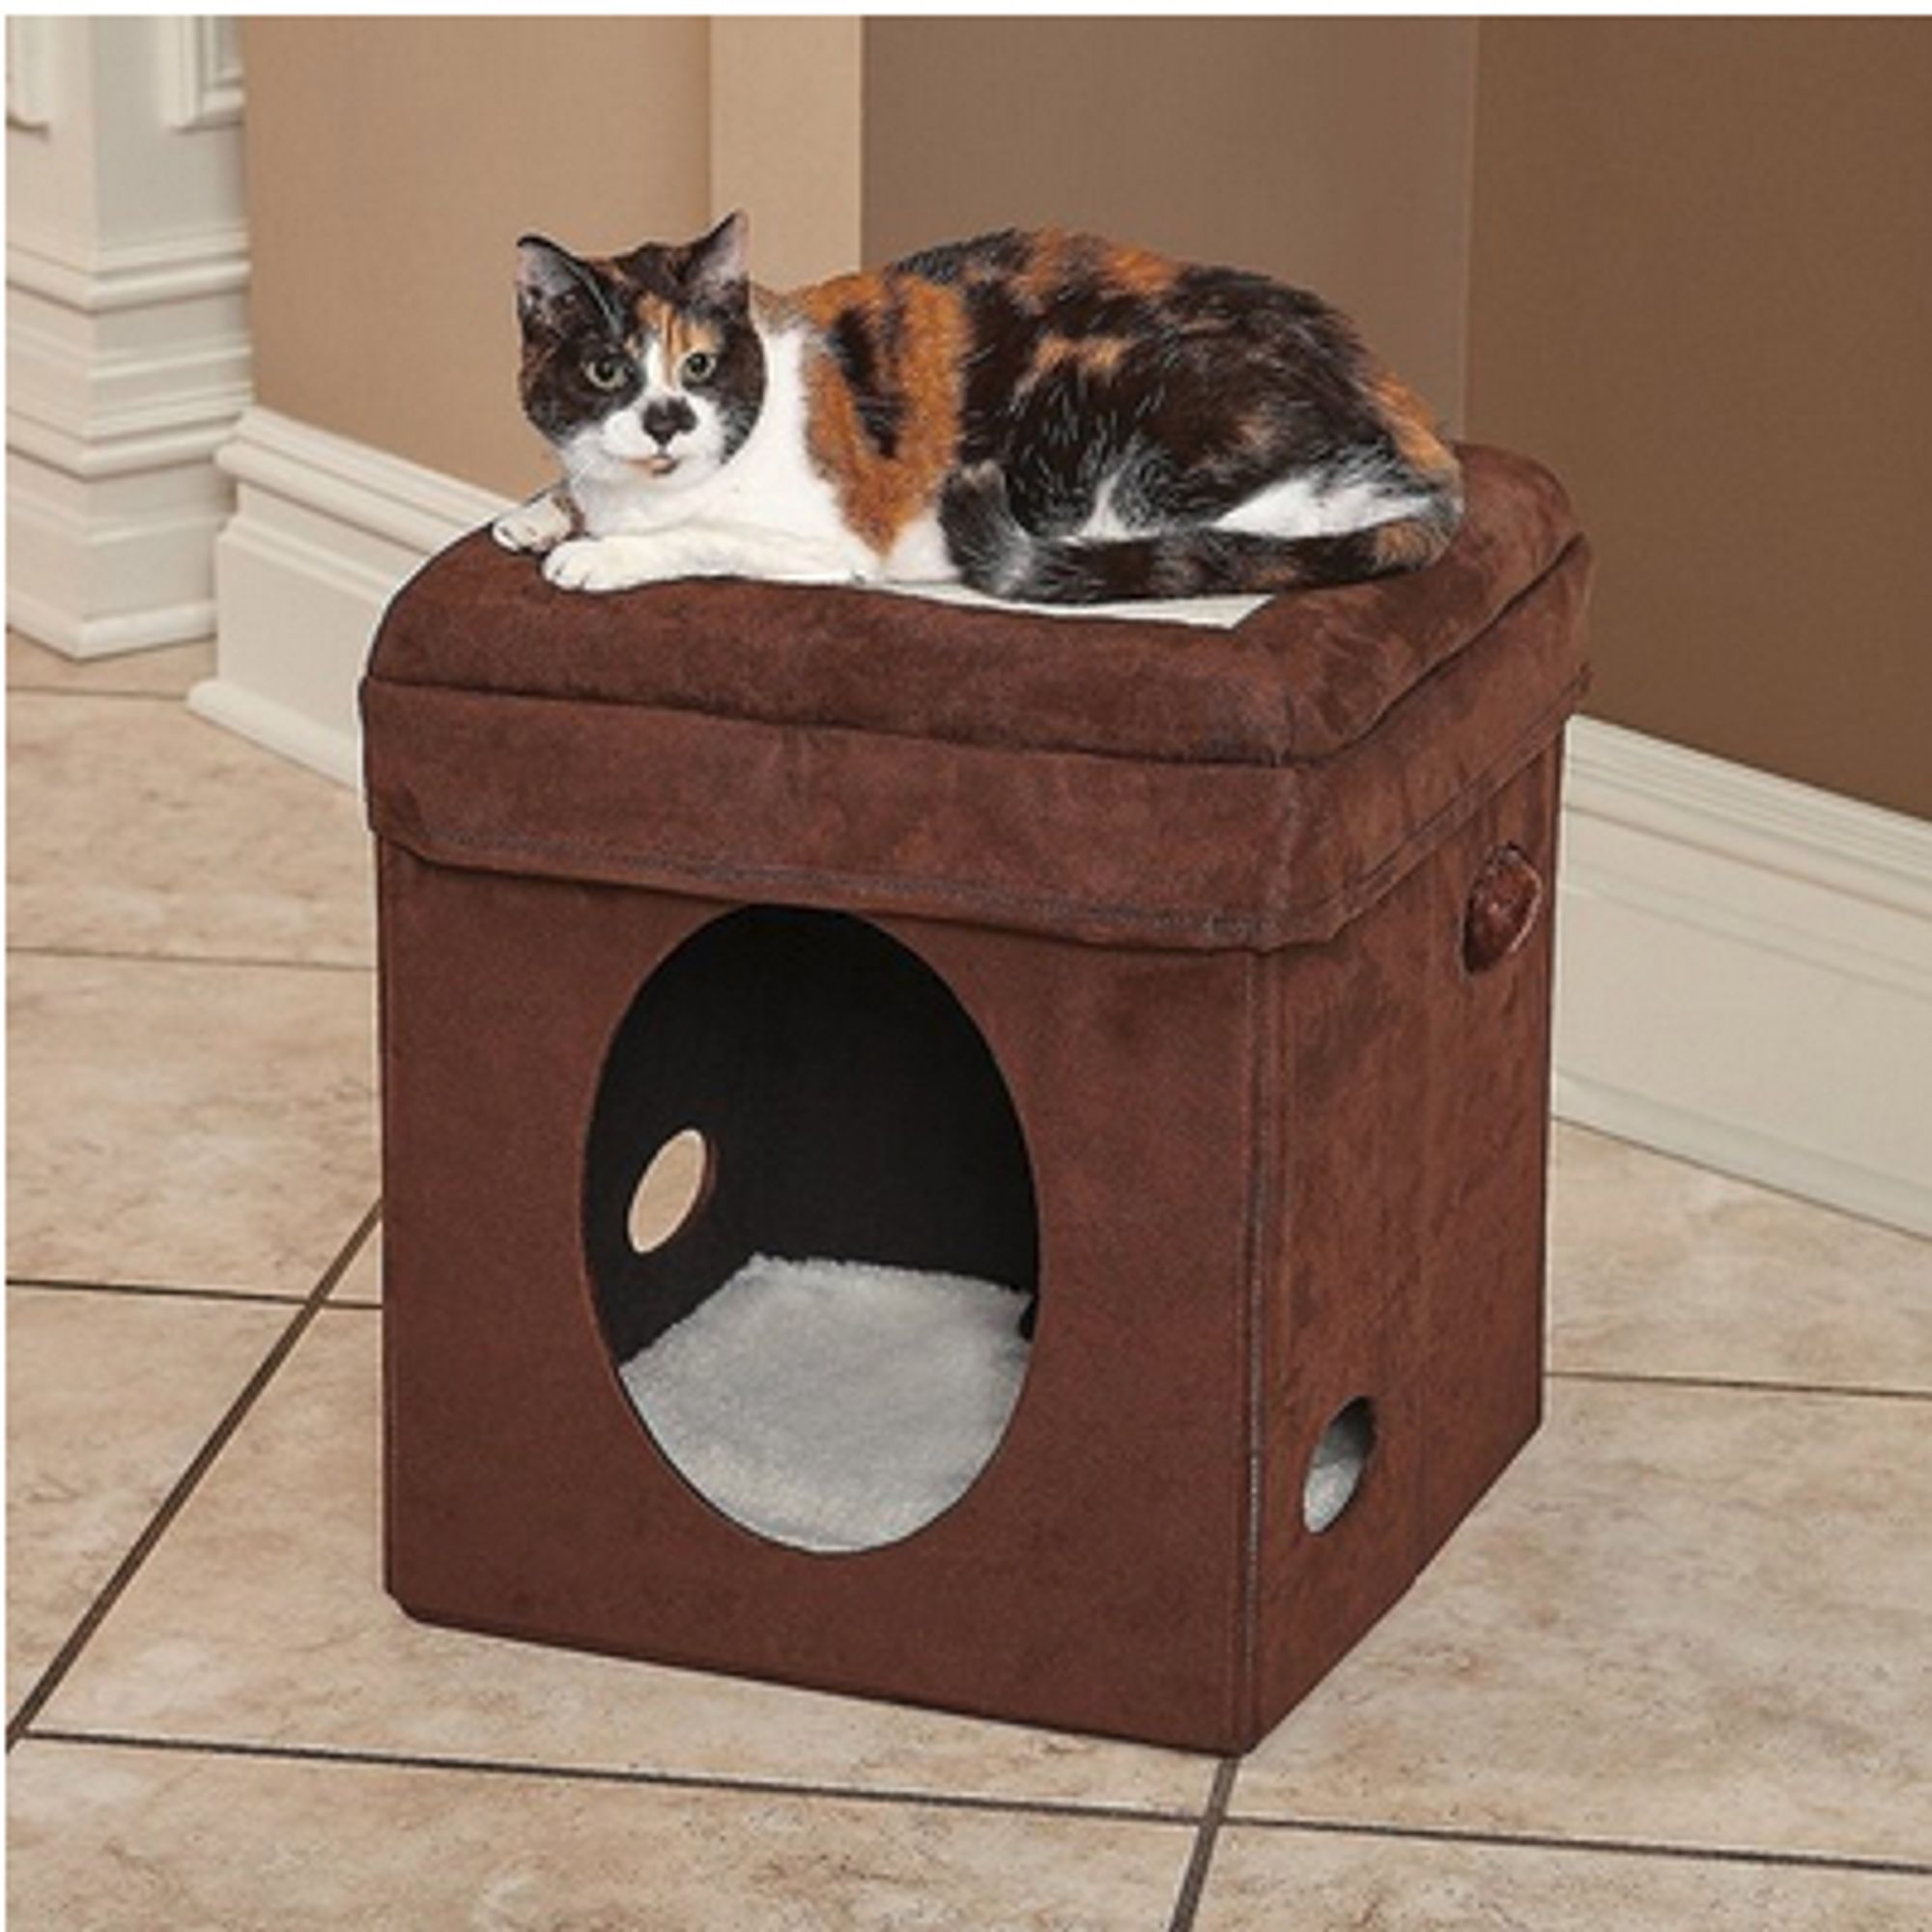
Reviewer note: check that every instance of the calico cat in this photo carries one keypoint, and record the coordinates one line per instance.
(1046, 416)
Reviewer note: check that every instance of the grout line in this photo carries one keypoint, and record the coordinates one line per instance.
(1207, 1826)
(72, 691)
(238, 959)
(577, 1774)
(1194, 1879)
(185, 1484)
(1641, 1848)
(162, 1290)
(1742, 1383)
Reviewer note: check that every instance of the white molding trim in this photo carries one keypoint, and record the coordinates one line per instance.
(325, 531)
(108, 637)
(354, 484)
(200, 71)
(127, 339)
(121, 388)
(1745, 973)
(278, 727)
(1769, 822)
(30, 62)
(1745, 964)
(132, 441)
(185, 268)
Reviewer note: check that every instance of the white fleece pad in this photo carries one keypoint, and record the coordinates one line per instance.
(1217, 613)
(1335, 1470)
(834, 1405)
(1331, 1482)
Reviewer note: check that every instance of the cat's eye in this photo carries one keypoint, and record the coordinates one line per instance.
(607, 372)
(697, 366)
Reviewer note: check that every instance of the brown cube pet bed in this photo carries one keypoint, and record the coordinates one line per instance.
(980, 1157)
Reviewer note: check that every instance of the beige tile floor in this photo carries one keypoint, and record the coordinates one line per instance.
(1674, 1671)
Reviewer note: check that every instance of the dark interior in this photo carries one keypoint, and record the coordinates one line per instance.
(852, 1108)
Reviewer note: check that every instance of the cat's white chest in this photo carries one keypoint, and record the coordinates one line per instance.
(782, 484)
(772, 482)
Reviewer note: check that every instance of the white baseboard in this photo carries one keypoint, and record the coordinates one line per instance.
(277, 727)
(125, 370)
(1745, 965)
(325, 531)
(106, 636)
(1745, 973)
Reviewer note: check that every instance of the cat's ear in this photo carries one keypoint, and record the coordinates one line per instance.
(715, 266)
(546, 275)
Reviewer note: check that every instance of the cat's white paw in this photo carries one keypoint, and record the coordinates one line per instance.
(598, 563)
(540, 525)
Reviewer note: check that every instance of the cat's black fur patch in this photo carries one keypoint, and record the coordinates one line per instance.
(1006, 251)
(881, 409)
(999, 357)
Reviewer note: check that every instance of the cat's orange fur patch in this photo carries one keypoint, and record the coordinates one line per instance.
(1090, 355)
(920, 360)
(677, 333)
(651, 314)
(1406, 544)
(1059, 257)
(1049, 251)
(1410, 426)
(1138, 271)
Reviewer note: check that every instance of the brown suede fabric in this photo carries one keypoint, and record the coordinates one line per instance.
(1205, 895)
(1401, 1189)
(1143, 803)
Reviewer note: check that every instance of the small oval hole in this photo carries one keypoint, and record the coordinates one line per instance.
(1335, 1469)
(670, 1189)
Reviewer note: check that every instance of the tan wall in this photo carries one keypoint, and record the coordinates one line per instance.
(1702, 290)
(1335, 154)
(784, 139)
(392, 166)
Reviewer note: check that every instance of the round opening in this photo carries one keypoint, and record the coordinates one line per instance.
(1335, 1469)
(669, 1189)
(819, 1289)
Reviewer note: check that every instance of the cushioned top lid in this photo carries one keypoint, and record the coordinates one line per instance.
(1304, 675)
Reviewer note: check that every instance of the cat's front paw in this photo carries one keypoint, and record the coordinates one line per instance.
(540, 525)
(597, 563)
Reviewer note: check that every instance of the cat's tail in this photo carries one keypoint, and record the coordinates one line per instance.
(995, 553)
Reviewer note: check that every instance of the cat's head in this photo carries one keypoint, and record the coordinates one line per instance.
(642, 368)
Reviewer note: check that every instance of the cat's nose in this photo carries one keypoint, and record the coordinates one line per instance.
(666, 418)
